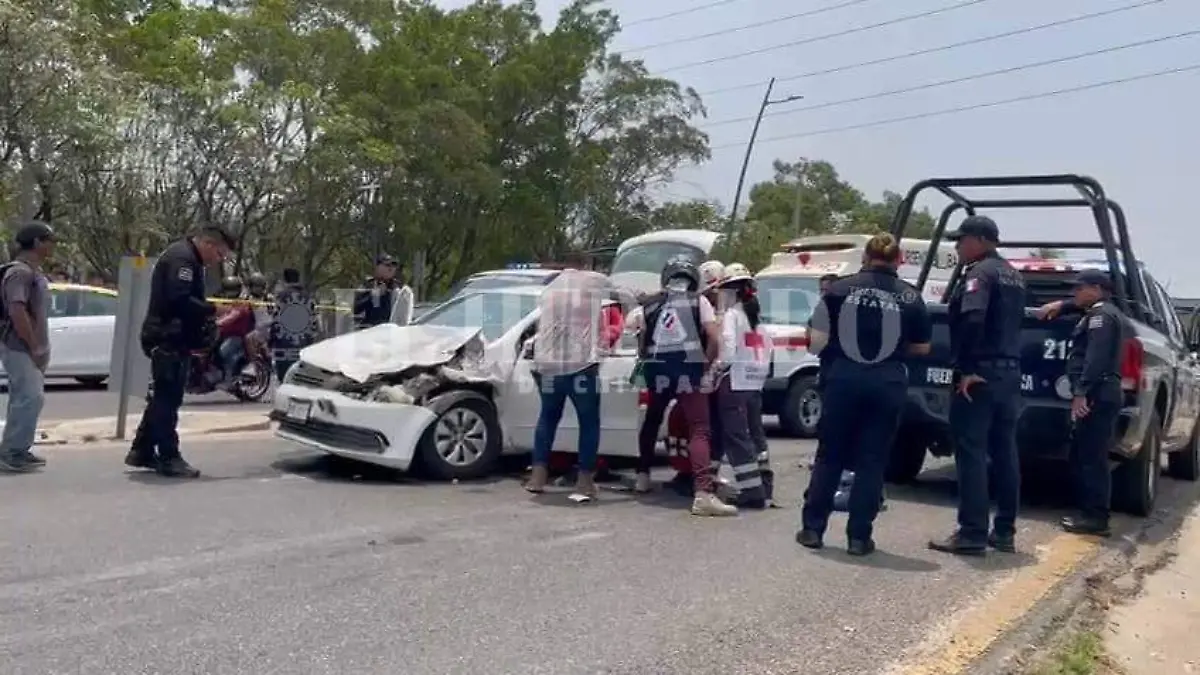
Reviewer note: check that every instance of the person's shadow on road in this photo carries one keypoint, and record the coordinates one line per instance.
(882, 560)
(152, 478)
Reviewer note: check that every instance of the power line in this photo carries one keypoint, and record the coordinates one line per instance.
(757, 24)
(828, 36)
(965, 78)
(935, 50)
(682, 12)
(968, 108)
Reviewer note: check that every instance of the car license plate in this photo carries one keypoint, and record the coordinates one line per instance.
(298, 410)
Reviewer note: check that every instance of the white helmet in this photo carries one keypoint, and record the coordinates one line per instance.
(711, 273)
(736, 272)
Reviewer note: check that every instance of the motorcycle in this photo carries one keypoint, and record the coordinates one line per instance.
(250, 384)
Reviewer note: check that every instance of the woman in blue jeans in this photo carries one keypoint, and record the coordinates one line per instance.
(577, 320)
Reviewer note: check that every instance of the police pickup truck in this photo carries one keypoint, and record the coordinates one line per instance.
(1160, 373)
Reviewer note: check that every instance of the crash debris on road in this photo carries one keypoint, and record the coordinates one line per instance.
(191, 423)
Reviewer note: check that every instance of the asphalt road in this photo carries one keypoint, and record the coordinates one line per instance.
(283, 562)
(68, 400)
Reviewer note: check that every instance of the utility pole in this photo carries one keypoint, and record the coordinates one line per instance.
(767, 102)
(370, 192)
(796, 207)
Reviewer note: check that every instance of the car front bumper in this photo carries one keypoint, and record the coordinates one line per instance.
(386, 434)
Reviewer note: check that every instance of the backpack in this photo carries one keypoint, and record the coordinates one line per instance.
(651, 308)
(3, 273)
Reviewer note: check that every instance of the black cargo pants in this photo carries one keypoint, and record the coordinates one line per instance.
(859, 417)
(1091, 440)
(157, 432)
(984, 429)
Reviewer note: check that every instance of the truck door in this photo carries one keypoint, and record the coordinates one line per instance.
(1185, 408)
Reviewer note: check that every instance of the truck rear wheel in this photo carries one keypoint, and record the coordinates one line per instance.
(907, 459)
(1135, 481)
(1185, 464)
(801, 410)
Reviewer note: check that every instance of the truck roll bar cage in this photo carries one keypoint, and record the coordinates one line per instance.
(1129, 293)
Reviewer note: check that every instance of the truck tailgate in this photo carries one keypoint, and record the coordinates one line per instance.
(1044, 346)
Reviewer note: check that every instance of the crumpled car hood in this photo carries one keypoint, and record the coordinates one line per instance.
(388, 349)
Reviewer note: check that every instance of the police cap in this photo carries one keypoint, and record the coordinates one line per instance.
(976, 226)
(385, 259)
(1094, 278)
(217, 233)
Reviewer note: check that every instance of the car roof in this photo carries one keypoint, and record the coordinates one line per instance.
(701, 239)
(521, 272)
(57, 286)
(519, 289)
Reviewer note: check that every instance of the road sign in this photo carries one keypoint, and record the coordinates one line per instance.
(129, 368)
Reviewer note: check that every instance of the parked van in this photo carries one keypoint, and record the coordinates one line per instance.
(639, 260)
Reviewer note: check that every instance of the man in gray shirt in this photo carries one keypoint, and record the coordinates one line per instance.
(24, 344)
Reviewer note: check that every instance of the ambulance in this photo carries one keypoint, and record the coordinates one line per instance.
(789, 291)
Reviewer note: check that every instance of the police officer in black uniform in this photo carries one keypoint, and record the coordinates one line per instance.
(1094, 368)
(178, 320)
(373, 301)
(986, 310)
(863, 329)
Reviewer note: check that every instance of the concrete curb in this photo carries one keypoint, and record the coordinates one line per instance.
(58, 435)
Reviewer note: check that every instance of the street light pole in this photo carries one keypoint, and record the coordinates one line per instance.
(767, 102)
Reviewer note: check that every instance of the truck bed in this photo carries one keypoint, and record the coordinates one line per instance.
(1044, 429)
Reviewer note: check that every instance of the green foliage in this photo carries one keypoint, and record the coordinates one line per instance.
(808, 198)
(323, 131)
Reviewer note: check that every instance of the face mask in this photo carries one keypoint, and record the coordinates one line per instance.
(677, 285)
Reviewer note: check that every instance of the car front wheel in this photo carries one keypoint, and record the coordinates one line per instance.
(463, 442)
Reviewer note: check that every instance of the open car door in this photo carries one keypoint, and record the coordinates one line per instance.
(402, 307)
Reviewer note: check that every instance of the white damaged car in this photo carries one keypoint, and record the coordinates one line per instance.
(450, 393)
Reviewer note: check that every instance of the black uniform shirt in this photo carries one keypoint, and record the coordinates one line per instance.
(178, 310)
(871, 318)
(1095, 354)
(371, 310)
(986, 311)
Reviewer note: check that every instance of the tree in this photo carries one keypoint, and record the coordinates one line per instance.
(809, 198)
(322, 131)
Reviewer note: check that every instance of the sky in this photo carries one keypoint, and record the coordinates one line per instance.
(1132, 136)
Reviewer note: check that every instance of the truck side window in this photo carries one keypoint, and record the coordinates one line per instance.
(1165, 310)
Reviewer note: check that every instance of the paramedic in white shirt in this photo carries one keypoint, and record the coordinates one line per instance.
(744, 362)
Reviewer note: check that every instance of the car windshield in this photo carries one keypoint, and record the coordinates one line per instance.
(496, 312)
(490, 282)
(652, 257)
(788, 301)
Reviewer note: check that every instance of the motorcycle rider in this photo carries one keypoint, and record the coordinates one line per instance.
(258, 292)
(256, 287)
(233, 327)
(373, 300)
